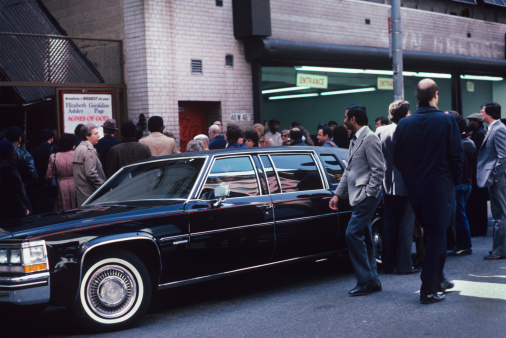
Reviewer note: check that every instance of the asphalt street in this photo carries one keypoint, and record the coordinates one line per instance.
(311, 300)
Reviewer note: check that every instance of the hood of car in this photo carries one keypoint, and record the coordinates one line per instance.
(85, 216)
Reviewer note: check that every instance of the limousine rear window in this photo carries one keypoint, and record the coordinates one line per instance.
(172, 179)
(334, 169)
(297, 172)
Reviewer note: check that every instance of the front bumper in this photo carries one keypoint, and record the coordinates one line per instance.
(25, 290)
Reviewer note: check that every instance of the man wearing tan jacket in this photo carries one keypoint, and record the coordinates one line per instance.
(88, 172)
(158, 143)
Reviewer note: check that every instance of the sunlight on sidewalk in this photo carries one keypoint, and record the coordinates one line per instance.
(481, 289)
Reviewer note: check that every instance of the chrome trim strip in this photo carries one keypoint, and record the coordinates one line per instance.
(305, 218)
(171, 238)
(23, 285)
(234, 228)
(37, 278)
(221, 274)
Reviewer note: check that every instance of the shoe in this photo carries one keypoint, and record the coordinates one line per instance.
(493, 256)
(460, 252)
(365, 288)
(433, 298)
(413, 270)
(445, 285)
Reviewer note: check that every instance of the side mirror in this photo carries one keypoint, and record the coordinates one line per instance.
(221, 192)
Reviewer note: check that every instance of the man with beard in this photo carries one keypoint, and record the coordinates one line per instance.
(361, 182)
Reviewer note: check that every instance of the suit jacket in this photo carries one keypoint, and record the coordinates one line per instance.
(428, 152)
(393, 184)
(128, 151)
(492, 156)
(88, 172)
(364, 174)
(159, 144)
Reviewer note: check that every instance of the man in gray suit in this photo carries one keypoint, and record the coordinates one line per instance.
(398, 216)
(362, 182)
(491, 172)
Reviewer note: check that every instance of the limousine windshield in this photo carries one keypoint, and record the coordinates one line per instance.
(159, 180)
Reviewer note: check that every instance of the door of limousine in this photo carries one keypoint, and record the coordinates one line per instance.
(305, 225)
(237, 232)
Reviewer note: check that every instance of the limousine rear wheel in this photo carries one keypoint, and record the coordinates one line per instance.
(377, 238)
(114, 293)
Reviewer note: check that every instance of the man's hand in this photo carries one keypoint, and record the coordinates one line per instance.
(333, 203)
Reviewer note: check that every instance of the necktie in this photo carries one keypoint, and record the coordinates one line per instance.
(353, 143)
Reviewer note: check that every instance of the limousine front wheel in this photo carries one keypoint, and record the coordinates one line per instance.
(114, 293)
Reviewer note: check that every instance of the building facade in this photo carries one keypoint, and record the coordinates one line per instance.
(181, 59)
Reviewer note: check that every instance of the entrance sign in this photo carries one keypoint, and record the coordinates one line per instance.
(312, 81)
(85, 107)
(385, 83)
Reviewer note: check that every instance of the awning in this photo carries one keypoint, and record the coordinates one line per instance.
(274, 51)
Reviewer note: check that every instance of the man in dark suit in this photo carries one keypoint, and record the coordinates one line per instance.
(428, 152)
(491, 173)
(398, 216)
(362, 181)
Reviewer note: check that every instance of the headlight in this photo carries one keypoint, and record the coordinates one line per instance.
(15, 256)
(34, 256)
(4, 256)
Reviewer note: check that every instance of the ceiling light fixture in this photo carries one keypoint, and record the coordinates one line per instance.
(349, 91)
(279, 90)
(283, 97)
(484, 78)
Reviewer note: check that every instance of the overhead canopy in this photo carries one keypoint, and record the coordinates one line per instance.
(274, 51)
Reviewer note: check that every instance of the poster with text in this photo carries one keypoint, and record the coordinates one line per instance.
(86, 108)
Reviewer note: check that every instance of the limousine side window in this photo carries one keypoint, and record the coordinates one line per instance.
(297, 172)
(334, 169)
(236, 172)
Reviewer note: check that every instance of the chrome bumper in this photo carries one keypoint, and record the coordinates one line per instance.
(25, 290)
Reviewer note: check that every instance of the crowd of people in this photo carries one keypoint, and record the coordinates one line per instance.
(426, 167)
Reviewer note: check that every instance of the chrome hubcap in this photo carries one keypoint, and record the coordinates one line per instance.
(111, 291)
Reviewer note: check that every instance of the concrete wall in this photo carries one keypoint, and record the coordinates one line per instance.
(344, 22)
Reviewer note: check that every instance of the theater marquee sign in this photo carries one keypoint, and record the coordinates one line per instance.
(85, 107)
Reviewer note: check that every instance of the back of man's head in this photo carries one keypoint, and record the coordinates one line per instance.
(360, 116)
(295, 134)
(128, 130)
(214, 130)
(46, 135)
(461, 122)
(426, 91)
(155, 123)
(398, 110)
(13, 134)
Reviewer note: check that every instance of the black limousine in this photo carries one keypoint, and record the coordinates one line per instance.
(174, 220)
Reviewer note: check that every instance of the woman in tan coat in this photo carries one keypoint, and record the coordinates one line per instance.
(66, 196)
